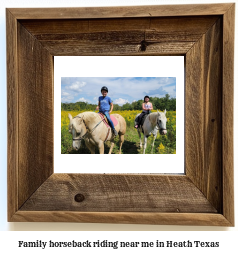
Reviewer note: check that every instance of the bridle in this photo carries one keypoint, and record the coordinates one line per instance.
(78, 139)
(84, 135)
(158, 126)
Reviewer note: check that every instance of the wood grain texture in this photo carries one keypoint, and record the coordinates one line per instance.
(35, 114)
(204, 115)
(12, 114)
(141, 193)
(192, 219)
(189, 26)
(119, 36)
(227, 113)
(122, 12)
(71, 48)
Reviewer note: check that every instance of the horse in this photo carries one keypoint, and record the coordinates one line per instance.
(153, 122)
(90, 127)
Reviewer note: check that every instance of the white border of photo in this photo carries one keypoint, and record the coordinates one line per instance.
(120, 66)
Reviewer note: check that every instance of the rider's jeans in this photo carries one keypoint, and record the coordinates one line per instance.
(106, 113)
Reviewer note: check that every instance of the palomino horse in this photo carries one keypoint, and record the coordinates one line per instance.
(90, 127)
(153, 122)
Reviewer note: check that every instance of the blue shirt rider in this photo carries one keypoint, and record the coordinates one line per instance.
(105, 106)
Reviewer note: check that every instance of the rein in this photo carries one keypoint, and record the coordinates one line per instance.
(77, 139)
(157, 125)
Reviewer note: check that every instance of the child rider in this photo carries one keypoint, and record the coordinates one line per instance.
(147, 107)
(104, 105)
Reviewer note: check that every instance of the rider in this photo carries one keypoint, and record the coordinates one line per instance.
(147, 107)
(104, 105)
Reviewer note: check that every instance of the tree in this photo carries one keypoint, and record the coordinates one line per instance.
(127, 106)
(116, 107)
(158, 103)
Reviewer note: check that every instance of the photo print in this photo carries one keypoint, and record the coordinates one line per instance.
(116, 107)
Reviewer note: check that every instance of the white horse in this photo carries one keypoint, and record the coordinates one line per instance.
(153, 122)
(89, 126)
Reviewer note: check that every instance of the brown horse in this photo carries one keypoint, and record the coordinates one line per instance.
(90, 127)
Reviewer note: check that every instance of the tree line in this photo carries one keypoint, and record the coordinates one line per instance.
(158, 103)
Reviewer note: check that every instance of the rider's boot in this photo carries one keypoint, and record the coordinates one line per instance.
(115, 132)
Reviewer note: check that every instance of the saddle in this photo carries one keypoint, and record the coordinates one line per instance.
(104, 119)
(142, 121)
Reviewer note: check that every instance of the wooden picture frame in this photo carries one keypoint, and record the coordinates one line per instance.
(204, 34)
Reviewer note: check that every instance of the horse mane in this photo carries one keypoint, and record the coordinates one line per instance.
(153, 116)
(84, 114)
(88, 115)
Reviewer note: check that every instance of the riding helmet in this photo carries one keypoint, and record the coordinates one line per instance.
(146, 97)
(104, 88)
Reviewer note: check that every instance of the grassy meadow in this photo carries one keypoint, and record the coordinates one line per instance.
(164, 144)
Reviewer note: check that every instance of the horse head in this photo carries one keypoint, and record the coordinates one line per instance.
(161, 122)
(78, 129)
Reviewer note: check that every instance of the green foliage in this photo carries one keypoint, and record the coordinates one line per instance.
(78, 106)
(168, 140)
(158, 103)
(66, 143)
(66, 140)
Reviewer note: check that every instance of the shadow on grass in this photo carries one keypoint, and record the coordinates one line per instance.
(128, 147)
(82, 150)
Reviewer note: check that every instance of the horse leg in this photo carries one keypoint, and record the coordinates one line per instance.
(101, 148)
(140, 138)
(153, 144)
(112, 144)
(91, 147)
(145, 143)
(155, 135)
(121, 142)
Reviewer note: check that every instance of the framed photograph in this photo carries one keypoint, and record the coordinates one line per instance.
(203, 194)
(127, 88)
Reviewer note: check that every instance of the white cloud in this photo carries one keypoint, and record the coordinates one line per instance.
(120, 101)
(76, 86)
(82, 99)
(128, 88)
(64, 93)
(67, 98)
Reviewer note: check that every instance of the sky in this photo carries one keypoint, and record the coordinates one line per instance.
(120, 89)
